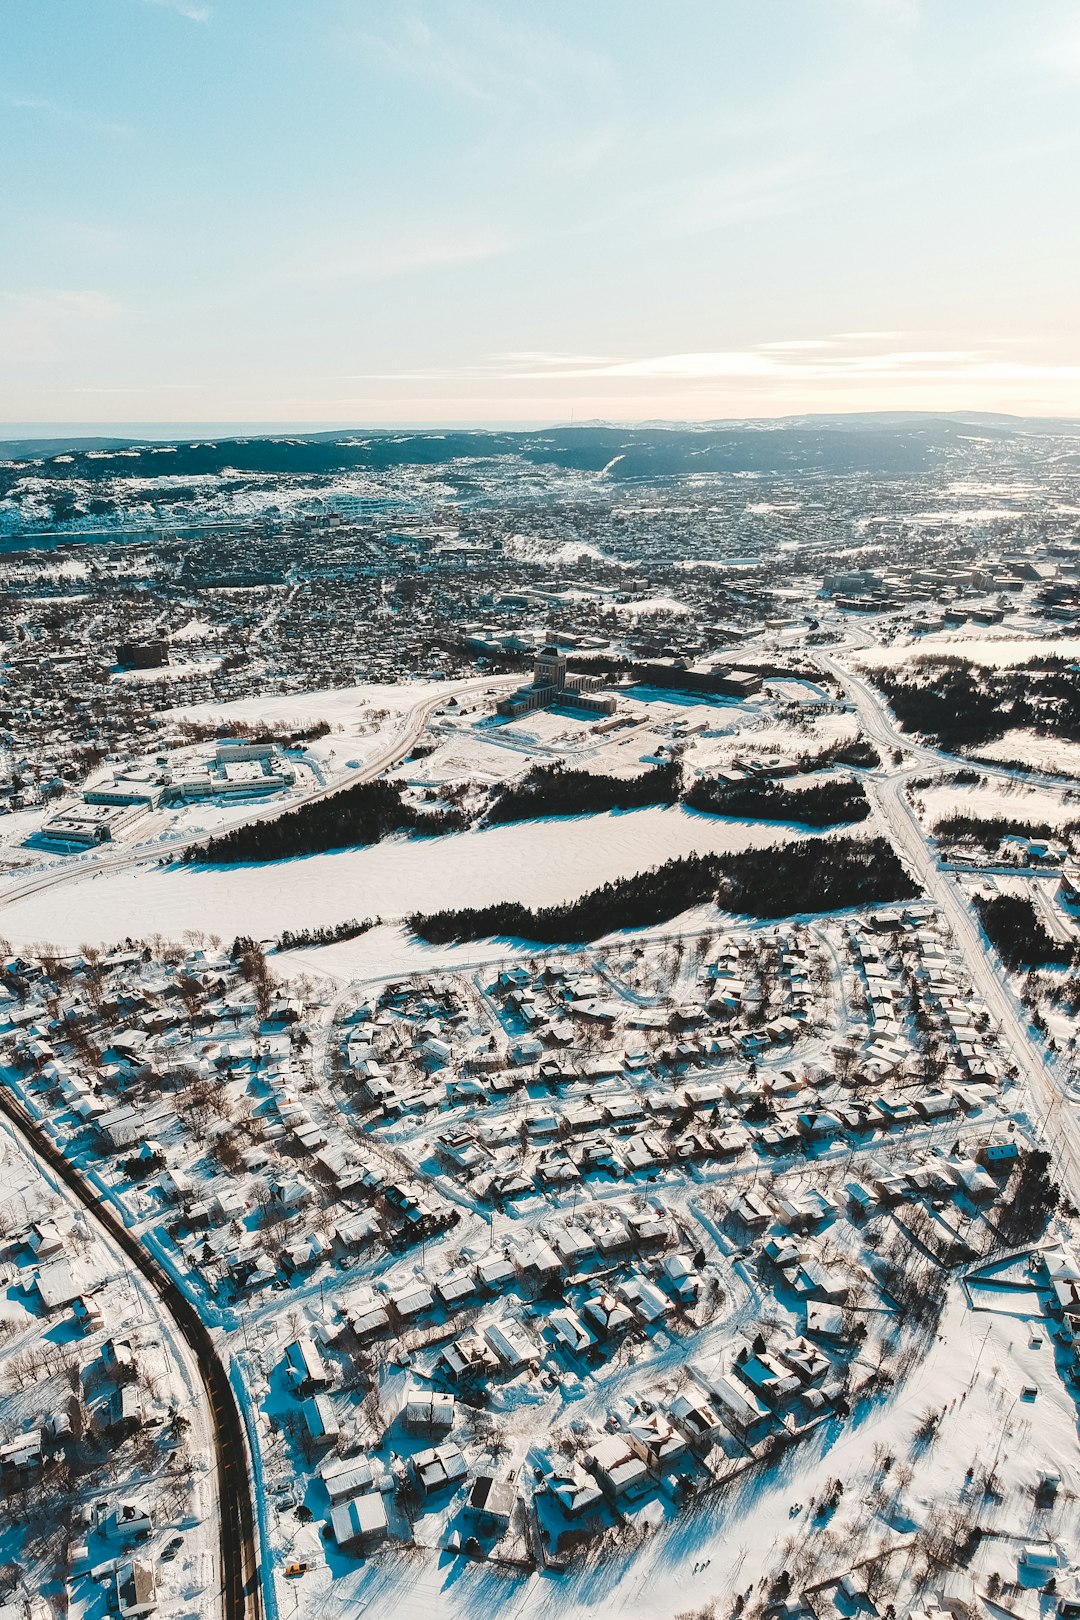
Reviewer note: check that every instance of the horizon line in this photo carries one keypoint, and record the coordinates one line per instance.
(18, 431)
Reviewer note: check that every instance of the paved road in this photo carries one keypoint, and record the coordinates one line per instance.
(121, 860)
(241, 1590)
(886, 789)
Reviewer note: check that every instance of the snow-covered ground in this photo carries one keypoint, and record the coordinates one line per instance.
(1055, 755)
(997, 797)
(996, 647)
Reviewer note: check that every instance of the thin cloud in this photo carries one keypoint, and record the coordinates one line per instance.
(57, 113)
(778, 363)
(183, 8)
(391, 256)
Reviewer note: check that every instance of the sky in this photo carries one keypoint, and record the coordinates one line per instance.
(380, 212)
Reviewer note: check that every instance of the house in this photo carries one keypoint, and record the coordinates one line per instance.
(698, 1420)
(766, 1378)
(345, 1479)
(124, 1414)
(130, 1520)
(539, 1262)
(511, 1344)
(815, 1281)
(136, 1588)
(617, 1466)
(646, 1301)
(359, 1523)
(569, 1331)
(681, 1278)
(491, 1502)
(825, 1321)
(572, 1488)
(656, 1441)
(410, 1299)
(290, 1194)
(649, 1227)
(304, 1366)
(998, 1157)
(87, 1313)
(468, 1360)
(46, 1240)
(366, 1316)
(428, 1411)
(456, 1288)
(21, 1459)
(804, 1359)
(972, 1179)
(438, 1469)
(751, 1211)
(608, 1314)
(572, 1244)
(58, 1284)
(741, 1409)
(320, 1420)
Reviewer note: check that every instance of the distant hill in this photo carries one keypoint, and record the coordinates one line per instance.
(23, 449)
(883, 443)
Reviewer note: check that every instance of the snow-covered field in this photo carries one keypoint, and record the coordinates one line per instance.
(1052, 754)
(993, 648)
(997, 798)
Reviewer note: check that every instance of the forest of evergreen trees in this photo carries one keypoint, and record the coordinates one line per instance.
(363, 814)
(988, 831)
(813, 875)
(958, 705)
(301, 939)
(553, 790)
(1014, 928)
(633, 902)
(820, 804)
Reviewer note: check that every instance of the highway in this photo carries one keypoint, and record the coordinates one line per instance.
(123, 860)
(886, 790)
(240, 1588)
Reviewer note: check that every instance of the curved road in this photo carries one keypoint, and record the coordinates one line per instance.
(241, 1590)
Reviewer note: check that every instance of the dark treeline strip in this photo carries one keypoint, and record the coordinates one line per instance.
(363, 814)
(959, 706)
(822, 804)
(811, 875)
(552, 790)
(302, 939)
(859, 751)
(196, 731)
(1013, 927)
(634, 902)
(990, 830)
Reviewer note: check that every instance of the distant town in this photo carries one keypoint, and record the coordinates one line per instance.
(540, 1003)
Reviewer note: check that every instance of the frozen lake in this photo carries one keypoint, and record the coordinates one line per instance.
(537, 862)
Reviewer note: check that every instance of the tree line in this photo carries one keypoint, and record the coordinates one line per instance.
(553, 790)
(988, 831)
(301, 939)
(810, 875)
(363, 814)
(958, 705)
(821, 804)
(1015, 930)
